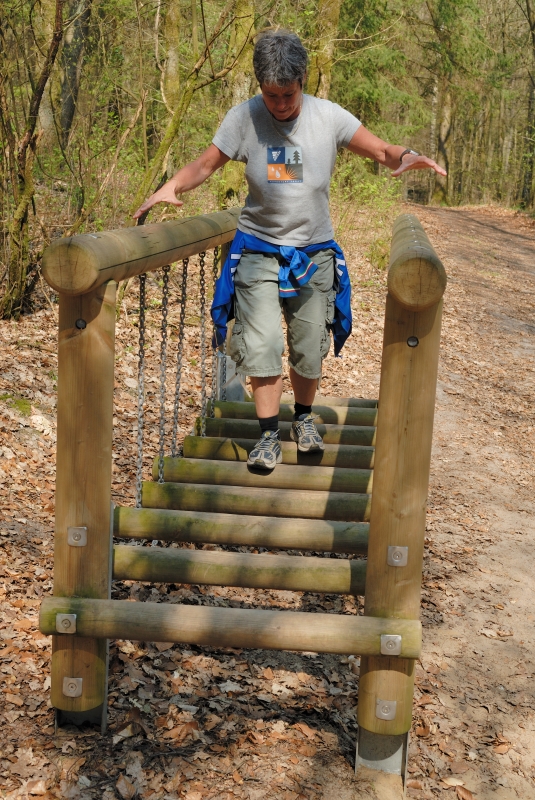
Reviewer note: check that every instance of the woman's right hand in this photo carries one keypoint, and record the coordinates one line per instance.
(167, 194)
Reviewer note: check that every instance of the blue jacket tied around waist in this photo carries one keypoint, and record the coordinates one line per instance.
(296, 269)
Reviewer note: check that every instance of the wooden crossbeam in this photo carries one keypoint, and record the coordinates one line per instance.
(335, 415)
(248, 429)
(231, 627)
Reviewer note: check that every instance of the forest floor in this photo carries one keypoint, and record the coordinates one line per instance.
(195, 723)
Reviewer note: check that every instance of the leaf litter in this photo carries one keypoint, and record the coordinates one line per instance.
(203, 723)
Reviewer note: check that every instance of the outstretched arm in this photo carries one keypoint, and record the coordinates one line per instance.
(189, 177)
(366, 144)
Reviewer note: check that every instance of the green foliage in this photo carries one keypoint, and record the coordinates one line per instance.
(20, 404)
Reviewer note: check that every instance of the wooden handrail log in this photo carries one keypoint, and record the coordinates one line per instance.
(416, 276)
(231, 627)
(77, 264)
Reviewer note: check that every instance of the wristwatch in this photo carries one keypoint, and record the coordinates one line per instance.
(408, 151)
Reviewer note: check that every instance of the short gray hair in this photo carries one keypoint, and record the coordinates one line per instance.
(279, 58)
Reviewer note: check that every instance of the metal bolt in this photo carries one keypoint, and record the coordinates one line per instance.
(81, 324)
(390, 644)
(72, 687)
(66, 623)
(397, 556)
(77, 537)
(413, 341)
(385, 709)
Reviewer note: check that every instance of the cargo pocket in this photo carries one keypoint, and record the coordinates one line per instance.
(237, 343)
(329, 318)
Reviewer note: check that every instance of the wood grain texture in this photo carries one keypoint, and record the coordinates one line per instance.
(241, 529)
(249, 429)
(232, 449)
(83, 480)
(416, 276)
(229, 473)
(231, 627)
(249, 570)
(77, 264)
(338, 506)
(402, 461)
(337, 415)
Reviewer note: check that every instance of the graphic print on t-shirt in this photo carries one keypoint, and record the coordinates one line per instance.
(285, 164)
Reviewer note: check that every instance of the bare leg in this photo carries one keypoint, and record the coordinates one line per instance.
(267, 395)
(304, 388)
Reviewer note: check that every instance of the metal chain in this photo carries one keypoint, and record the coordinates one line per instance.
(177, 451)
(163, 366)
(215, 351)
(140, 389)
(202, 286)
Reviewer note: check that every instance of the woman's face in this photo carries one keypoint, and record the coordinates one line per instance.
(284, 102)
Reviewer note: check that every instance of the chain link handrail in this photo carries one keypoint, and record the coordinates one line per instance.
(163, 368)
(175, 450)
(140, 389)
(202, 286)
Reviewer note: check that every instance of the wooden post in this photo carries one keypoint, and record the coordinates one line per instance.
(402, 459)
(83, 493)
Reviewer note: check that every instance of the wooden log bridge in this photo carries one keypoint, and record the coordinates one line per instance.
(363, 497)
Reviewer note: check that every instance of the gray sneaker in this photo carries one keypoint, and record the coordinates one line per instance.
(266, 453)
(305, 433)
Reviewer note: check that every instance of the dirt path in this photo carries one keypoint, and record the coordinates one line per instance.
(196, 723)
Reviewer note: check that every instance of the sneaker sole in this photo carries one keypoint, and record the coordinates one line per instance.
(262, 464)
(313, 448)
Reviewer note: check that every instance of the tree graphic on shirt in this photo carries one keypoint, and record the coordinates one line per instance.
(297, 157)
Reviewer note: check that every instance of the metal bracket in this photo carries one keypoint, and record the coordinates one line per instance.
(66, 623)
(77, 537)
(385, 709)
(72, 687)
(397, 556)
(390, 644)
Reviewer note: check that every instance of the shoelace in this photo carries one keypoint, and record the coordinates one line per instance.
(266, 442)
(309, 426)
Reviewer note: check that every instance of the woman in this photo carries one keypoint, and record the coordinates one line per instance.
(284, 258)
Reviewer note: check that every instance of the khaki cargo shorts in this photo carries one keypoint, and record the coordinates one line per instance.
(257, 341)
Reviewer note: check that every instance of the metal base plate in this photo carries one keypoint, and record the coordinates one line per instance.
(382, 753)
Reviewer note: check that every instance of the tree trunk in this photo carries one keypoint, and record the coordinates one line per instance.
(319, 74)
(239, 90)
(441, 184)
(24, 189)
(72, 58)
(170, 84)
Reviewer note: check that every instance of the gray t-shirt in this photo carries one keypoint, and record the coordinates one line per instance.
(289, 167)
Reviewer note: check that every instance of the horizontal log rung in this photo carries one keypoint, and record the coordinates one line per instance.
(228, 473)
(338, 506)
(248, 429)
(351, 402)
(337, 415)
(233, 449)
(239, 529)
(248, 570)
(231, 627)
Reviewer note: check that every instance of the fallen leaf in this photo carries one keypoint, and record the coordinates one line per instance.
(36, 787)
(230, 687)
(125, 733)
(458, 767)
(414, 784)
(501, 749)
(451, 781)
(490, 634)
(310, 733)
(15, 699)
(180, 732)
(464, 794)
(126, 789)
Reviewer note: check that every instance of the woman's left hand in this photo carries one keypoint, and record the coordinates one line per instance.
(417, 162)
